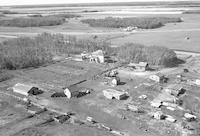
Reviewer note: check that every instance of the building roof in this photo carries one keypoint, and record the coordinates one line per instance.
(143, 64)
(113, 92)
(160, 74)
(97, 53)
(73, 88)
(140, 64)
(22, 88)
(175, 86)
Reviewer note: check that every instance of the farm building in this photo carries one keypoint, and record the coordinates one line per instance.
(141, 66)
(26, 89)
(74, 91)
(111, 93)
(158, 78)
(115, 81)
(97, 56)
(159, 115)
(197, 82)
(175, 89)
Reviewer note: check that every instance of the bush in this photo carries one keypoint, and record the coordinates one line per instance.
(67, 15)
(5, 76)
(142, 22)
(32, 21)
(37, 20)
(32, 52)
(192, 12)
(154, 55)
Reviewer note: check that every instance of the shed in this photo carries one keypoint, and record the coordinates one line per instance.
(115, 81)
(175, 89)
(111, 93)
(159, 115)
(75, 91)
(26, 89)
(197, 82)
(159, 77)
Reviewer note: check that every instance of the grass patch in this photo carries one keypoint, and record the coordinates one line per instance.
(4, 75)
(192, 12)
(32, 21)
(67, 15)
(154, 55)
(37, 20)
(8, 12)
(140, 22)
(32, 52)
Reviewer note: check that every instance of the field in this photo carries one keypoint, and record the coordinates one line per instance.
(93, 114)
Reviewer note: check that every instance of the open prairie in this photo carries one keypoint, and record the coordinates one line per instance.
(183, 36)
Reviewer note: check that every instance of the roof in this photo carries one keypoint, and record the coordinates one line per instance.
(97, 53)
(114, 92)
(73, 88)
(143, 64)
(175, 86)
(140, 64)
(160, 74)
(22, 88)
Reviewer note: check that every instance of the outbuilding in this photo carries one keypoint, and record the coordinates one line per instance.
(75, 91)
(98, 56)
(26, 90)
(111, 94)
(159, 77)
(140, 67)
(175, 89)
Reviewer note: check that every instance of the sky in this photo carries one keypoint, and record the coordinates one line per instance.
(30, 2)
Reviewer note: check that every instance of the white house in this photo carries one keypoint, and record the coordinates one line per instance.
(111, 93)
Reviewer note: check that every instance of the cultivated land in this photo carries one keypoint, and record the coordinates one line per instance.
(111, 115)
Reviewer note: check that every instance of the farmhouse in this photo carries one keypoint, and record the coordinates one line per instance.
(158, 78)
(97, 56)
(111, 93)
(175, 89)
(141, 66)
(26, 89)
(74, 91)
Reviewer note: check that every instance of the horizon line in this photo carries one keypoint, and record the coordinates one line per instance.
(93, 3)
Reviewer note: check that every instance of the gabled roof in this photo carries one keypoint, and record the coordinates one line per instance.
(73, 88)
(143, 64)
